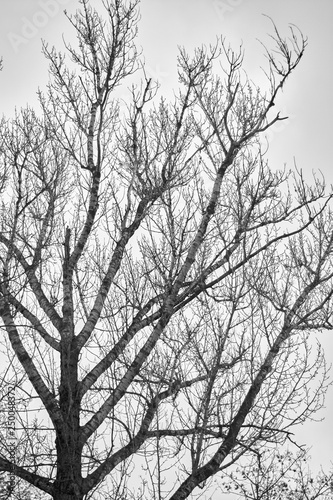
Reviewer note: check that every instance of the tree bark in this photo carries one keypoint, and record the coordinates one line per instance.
(68, 483)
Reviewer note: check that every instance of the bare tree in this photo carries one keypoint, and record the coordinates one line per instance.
(272, 475)
(159, 281)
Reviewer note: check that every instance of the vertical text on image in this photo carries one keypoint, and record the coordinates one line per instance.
(11, 433)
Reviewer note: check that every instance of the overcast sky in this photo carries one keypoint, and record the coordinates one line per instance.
(166, 24)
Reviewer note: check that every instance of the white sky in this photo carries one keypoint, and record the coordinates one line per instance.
(165, 24)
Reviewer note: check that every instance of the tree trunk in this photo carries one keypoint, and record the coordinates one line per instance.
(68, 483)
(59, 495)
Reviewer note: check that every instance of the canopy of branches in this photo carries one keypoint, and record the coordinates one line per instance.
(159, 281)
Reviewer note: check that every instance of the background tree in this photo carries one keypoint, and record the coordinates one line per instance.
(159, 281)
(271, 475)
